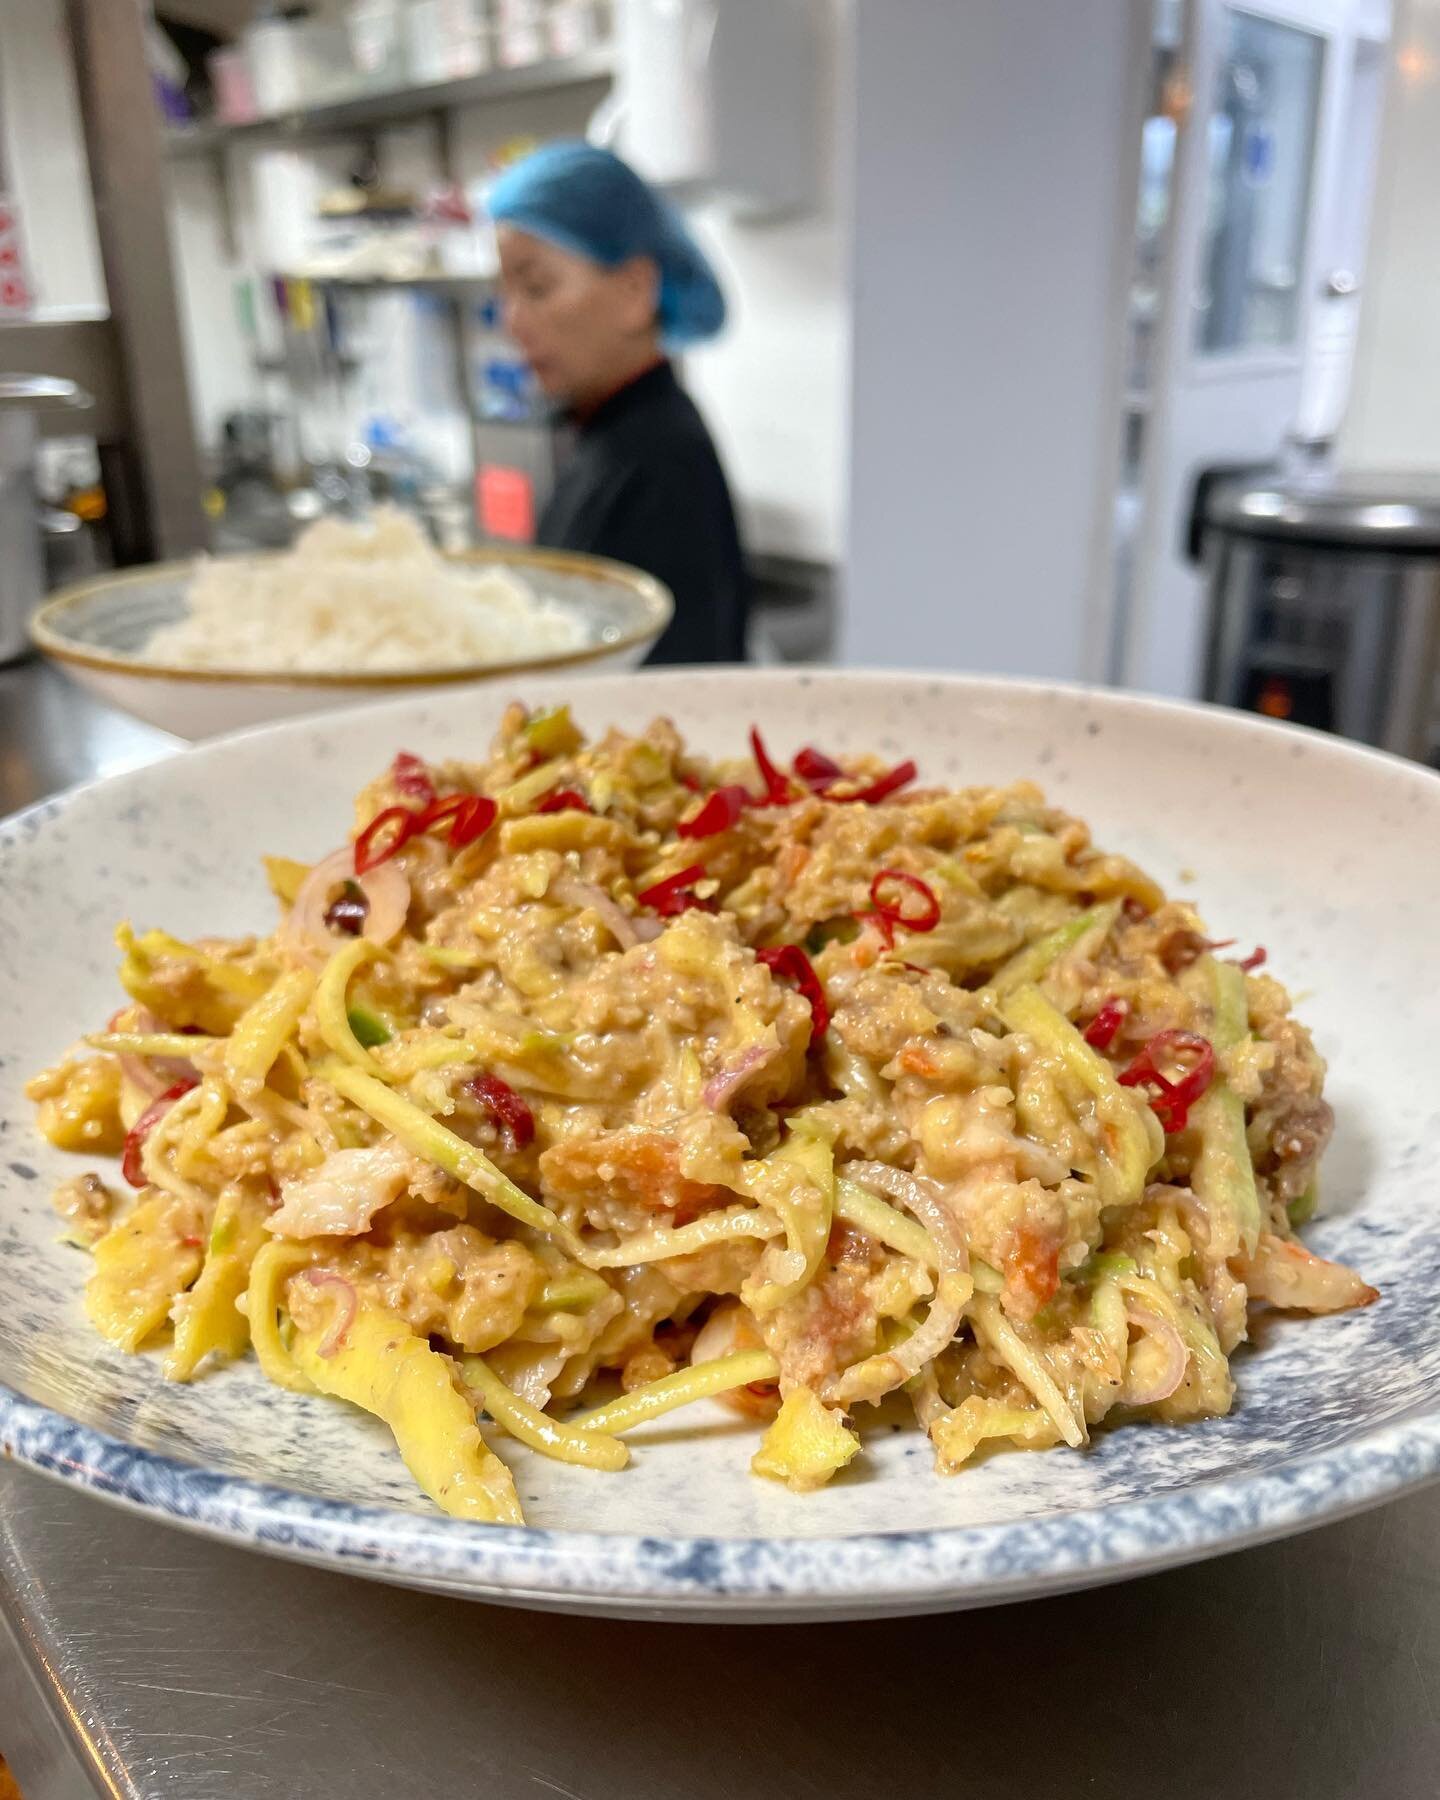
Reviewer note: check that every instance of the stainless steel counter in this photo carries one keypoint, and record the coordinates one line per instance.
(142, 1661)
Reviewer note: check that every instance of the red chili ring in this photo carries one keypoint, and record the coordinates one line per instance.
(1102, 1030)
(564, 800)
(674, 895)
(791, 962)
(721, 810)
(817, 770)
(778, 791)
(1171, 1105)
(472, 820)
(882, 788)
(893, 915)
(403, 825)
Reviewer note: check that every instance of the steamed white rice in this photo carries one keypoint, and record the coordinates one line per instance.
(371, 597)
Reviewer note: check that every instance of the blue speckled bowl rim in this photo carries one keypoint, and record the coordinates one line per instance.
(865, 1574)
(870, 1574)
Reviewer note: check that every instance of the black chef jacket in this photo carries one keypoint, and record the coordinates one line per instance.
(643, 484)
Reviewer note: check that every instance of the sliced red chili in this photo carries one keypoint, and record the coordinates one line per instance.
(131, 1166)
(472, 820)
(1172, 1100)
(676, 893)
(509, 1111)
(470, 816)
(817, 770)
(791, 962)
(384, 835)
(412, 778)
(689, 781)
(778, 791)
(1102, 1030)
(564, 800)
(720, 811)
(891, 913)
(1256, 957)
(882, 788)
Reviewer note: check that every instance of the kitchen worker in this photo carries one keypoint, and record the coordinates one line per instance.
(599, 277)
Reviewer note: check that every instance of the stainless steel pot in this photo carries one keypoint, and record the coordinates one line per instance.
(1325, 604)
(22, 581)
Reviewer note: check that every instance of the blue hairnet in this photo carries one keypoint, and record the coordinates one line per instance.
(587, 201)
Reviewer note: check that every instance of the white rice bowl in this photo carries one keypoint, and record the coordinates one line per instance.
(371, 598)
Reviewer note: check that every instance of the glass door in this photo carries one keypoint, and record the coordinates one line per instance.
(1259, 167)
(1260, 151)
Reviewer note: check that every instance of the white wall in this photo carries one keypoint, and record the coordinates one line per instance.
(1394, 416)
(995, 172)
(775, 386)
(44, 158)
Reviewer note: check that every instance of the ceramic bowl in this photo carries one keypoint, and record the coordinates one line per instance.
(97, 632)
(1327, 854)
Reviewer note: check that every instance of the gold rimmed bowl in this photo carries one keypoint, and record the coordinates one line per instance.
(98, 632)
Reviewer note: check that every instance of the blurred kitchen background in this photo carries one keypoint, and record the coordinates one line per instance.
(1015, 288)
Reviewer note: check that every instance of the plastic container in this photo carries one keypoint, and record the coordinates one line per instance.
(574, 26)
(522, 33)
(297, 63)
(376, 30)
(232, 86)
(447, 40)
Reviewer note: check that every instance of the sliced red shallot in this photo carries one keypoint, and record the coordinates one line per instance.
(879, 1375)
(725, 1083)
(345, 1314)
(1165, 1360)
(138, 1072)
(386, 891)
(151, 1075)
(585, 896)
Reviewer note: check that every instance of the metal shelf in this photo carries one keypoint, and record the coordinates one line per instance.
(453, 287)
(370, 112)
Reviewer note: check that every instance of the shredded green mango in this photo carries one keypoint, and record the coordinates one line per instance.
(332, 1011)
(264, 1028)
(1223, 1175)
(1031, 963)
(857, 1206)
(1131, 1139)
(958, 1434)
(522, 794)
(797, 1184)
(806, 1443)
(380, 1364)
(566, 1443)
(272, 1267)
(435, 1142)
(553, 733)
(701, 1381)
(209, 1321)
(141, 1266)
(450, 959)
(150, 1043)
